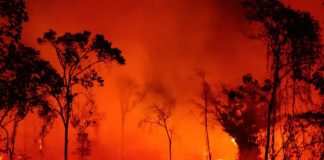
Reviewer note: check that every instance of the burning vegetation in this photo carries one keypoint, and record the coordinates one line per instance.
(56, 91)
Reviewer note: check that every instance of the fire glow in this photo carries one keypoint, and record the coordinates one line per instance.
(165, 44)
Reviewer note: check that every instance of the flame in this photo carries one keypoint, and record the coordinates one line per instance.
(205, 153)
(1, 157)
(40, 142)
(233, 141)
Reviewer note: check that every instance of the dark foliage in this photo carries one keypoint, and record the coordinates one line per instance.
(24, 76)
(78, 55)
(294, 50)
(242, 116)
(12, 14)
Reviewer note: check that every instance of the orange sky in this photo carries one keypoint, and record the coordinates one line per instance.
(164, 42)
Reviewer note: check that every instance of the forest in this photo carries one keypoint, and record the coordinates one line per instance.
(161, 80)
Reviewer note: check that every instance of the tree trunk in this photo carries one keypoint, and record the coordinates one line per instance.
(122, 135)
(69, 100)
(272, 104)
(169, 140)
(66, 140)
(13, 139)
(170, 149)
(206, 127)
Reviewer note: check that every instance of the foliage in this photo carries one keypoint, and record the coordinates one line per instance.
(77, 55)
(12, 14)
(242, 115)
(23, 75)
(294, 50)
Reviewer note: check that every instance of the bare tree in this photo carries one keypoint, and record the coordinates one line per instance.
(130, 97)
(160, 116)
(160, 111)
(205, 107)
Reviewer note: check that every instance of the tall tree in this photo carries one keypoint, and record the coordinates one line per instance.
(77, 55)
(294, 47)
(160, 111)
(160, 116)
(205, 107)
(23, 79)
(23, 75)
(130, 97)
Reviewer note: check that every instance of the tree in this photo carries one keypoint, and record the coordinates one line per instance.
(23, 74)
(84, 117)
(294, 47)
(12, 14)
(302, 133)
(242, 114)
(303, 136)
(160, 117)
(206, 108)
(22, 79)
(77, 55)
(48, 119)
(160, 112)
(130, 97)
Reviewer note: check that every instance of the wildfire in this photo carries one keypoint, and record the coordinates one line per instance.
(233, 141)
(40, 144)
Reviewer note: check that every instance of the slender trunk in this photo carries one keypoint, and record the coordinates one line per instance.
(122, 135)
(272, 104)
(13, 139)
(274, 113)
(66, 140)
(66, 133)
(170, 149)
(206, 128)
(169, 140)
(67, 120)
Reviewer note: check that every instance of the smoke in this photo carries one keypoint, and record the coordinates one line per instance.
(164, 42)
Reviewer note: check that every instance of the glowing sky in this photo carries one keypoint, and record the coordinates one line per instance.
(164, 43)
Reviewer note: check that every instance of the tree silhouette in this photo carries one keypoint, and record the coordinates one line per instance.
(205, 94)
(160, 117)
(84, 117)
(78, 54)
(12, 14)
(302, 133)
(22, 81)
(242, 115)
(48, 120)
(23, 75)
(130, 97)
(294, 47)
(160, 112)
(304, 136)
